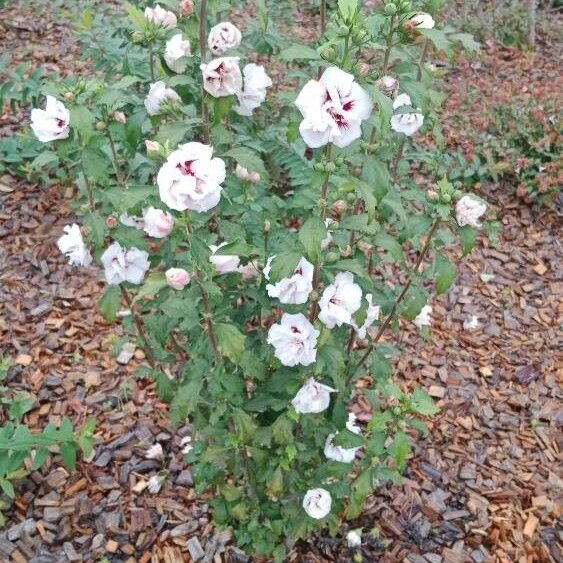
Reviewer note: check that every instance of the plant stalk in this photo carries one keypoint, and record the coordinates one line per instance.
(389, 43)
(151, 61)
(323, 205)
(114, 156)
(323, 17)
(88, 186)
(203, 54)
(421, 62)
(208, 318)
(399, 299)
(140, 327)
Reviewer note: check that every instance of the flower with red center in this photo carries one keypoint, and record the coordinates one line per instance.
(340, 301)
(295, 289)
(333, 109)
(51, 123)
(222, 37)
(191, 178)
(294, 340)
(222, 77)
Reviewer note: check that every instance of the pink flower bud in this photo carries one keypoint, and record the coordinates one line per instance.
(253, 177)
(111, 222)
(119, 116)
(186, 7)
(177, 278)
(157, 223)
(339, 206)
(152, 146)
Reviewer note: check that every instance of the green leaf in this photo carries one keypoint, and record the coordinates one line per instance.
(150, 288)
(422, 403)
(39, 459)
(136, 16)
(110, 302)
(282, 430)
(296, 52)
(245, 426)
(312, 233)
(400, 449)
(123, 199)
(439, 39)
(444, 272)
(413, 302)
(19, 405)
(85, 439)
(43, 159)
(466, 40)
(361, 222)
(249, 160)
(230, 341)
(348, 439)
(467, 237)
(8, 488)
(283, 265)
(347, 8)
(185, 400)
(366, 192)
(68, 453)
(82, 119)
(390, 244)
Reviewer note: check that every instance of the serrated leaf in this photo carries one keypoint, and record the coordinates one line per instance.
(467, 237)
(283, 265)
(68, 453)
(413, 302)
(230, 341)
(298, 52)
(444, 273)
(311, 235)
(110, 302)
(400, 449)
(151, 286)
(422, 403)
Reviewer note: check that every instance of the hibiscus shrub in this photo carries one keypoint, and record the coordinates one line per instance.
(264, 246)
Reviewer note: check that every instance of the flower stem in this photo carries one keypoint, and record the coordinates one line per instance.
(114, 155)
(389, 44)
(88, 186)
(399, 299)
(203, 54)
(397, 159)
(421, 62)
(323, 205)
(323, 17)
(208, 318)
(151, 61)
(140, 327)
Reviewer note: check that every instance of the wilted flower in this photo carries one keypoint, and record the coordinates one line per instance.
(158, 94)
(354, 538)
(175, 52)
(313, 397)
(423, 318)
(51, 123)
(254, 91)
(160, 16)
(468, 210)
(119, 116)
(317, 503)
(406, 123)
(222, 37)
(372, 314)
(157, 223)
(154, 452)
(471, 323)
(333, 109)
(155, 484)
(296, 289)
(246, 175)
(223, 263)
(327, 241)
(222, 77)
(340, 301)
(186, 445)
(421, 21)
(177, 278)
(124, 265)
(191, 178)
(71, 244)
(338, 453)
(294, 340)
(388, 86)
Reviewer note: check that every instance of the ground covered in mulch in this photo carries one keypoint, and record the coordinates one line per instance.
(485, 485)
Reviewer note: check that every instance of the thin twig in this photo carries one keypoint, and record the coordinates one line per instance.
(203, 54)
(88, 186)
(140, 327)
(208, 318)
(114, 155)
(393, 312)
(389, 44)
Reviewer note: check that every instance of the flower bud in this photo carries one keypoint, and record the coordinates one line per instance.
(186, 7)
(177, 278)
(365, 247)
(328, 54)
(356, 172)
(330, 167)
(119, 116)
(390, 9)
(69, 97)
(351, 197)
(431, 195)
(137, 37)
(100, 126)
(363, 69)
(153, 146)
(446, 198)
(332, 257)
(267, 226)
(343, 30)
(345, 252)
(111, 222)
(339, 206)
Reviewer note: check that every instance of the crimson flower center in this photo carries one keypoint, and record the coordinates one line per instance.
(186, 167)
